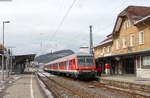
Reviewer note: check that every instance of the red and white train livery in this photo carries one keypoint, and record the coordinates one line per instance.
(77, 65)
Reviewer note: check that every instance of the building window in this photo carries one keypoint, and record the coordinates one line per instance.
(125, 27)
(141, 38)
(124, 43)
(146, 61)
(100, 51)
(108, 49)
(104, 50)
(117, 44)
(112, 48)
(132, 40)
(127, 24)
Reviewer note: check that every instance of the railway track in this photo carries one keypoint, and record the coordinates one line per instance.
(71, 91)
(134, 92)
(56, 90)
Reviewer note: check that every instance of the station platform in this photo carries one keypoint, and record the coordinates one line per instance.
(22, 86)
(127, 81)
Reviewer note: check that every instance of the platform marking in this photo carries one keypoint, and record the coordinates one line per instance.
(31, 87)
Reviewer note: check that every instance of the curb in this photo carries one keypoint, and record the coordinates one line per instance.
(43, 86)
(134, 86)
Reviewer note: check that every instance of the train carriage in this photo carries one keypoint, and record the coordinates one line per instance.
(79, 65)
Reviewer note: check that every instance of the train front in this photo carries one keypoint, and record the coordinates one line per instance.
(86, 66)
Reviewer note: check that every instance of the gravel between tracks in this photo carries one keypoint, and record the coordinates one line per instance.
(63, 87)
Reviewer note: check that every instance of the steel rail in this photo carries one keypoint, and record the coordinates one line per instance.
(100, 85)
(54, 91)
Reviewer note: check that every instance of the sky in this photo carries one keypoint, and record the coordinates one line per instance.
(33, 26)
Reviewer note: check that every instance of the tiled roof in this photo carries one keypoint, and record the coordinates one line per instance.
(108, 39)
(134, 13)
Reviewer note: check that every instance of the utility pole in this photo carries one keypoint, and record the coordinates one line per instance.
(7, 63)
(3, 55)
(3, 49)
(91, 40)
(11, 61)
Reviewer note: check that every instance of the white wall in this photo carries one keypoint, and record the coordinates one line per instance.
(143, 73)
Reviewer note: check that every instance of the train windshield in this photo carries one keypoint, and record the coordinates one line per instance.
(85, 61)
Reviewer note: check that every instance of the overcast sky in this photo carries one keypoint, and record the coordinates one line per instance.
(33, 23)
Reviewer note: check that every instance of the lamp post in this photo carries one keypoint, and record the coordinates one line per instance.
(3, 49)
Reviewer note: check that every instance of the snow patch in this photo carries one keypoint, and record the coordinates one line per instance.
(45, 74)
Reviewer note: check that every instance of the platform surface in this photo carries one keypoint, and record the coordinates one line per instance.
(23, 86)
(128, 78)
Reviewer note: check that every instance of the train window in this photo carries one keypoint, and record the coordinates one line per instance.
(85, 61)
(61, 64)
(89, 60)
(55, 65)
(65, 63)
(70, 62)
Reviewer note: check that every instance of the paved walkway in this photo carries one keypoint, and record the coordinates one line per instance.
(25, 86)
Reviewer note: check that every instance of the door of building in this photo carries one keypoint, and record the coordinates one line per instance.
(129, 65)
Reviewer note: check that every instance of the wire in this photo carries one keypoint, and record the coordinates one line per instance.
(59, 10)
(63, 19)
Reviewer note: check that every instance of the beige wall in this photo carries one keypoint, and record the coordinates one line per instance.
(99, 51)
(125, 33)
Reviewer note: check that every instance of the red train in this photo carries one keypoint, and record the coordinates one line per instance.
(80, 65)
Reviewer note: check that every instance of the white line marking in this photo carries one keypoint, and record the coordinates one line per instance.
(31, 88)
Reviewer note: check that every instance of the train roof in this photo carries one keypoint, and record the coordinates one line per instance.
(67, 57)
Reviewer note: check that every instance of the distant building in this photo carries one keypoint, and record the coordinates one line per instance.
(127, 48)
(84, 49)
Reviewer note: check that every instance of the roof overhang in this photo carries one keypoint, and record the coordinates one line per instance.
(143, 19)
(103, 43)
(24, 58)
(118, 24)
(128, 54)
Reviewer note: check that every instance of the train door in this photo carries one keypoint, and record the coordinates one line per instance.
(67, 65)
(58, 65)
(73, 63)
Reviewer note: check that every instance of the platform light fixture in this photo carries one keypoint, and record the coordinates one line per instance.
(4, 22)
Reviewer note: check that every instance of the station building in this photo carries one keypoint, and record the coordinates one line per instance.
(15, 63)
(20, 62)
(127, 48)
